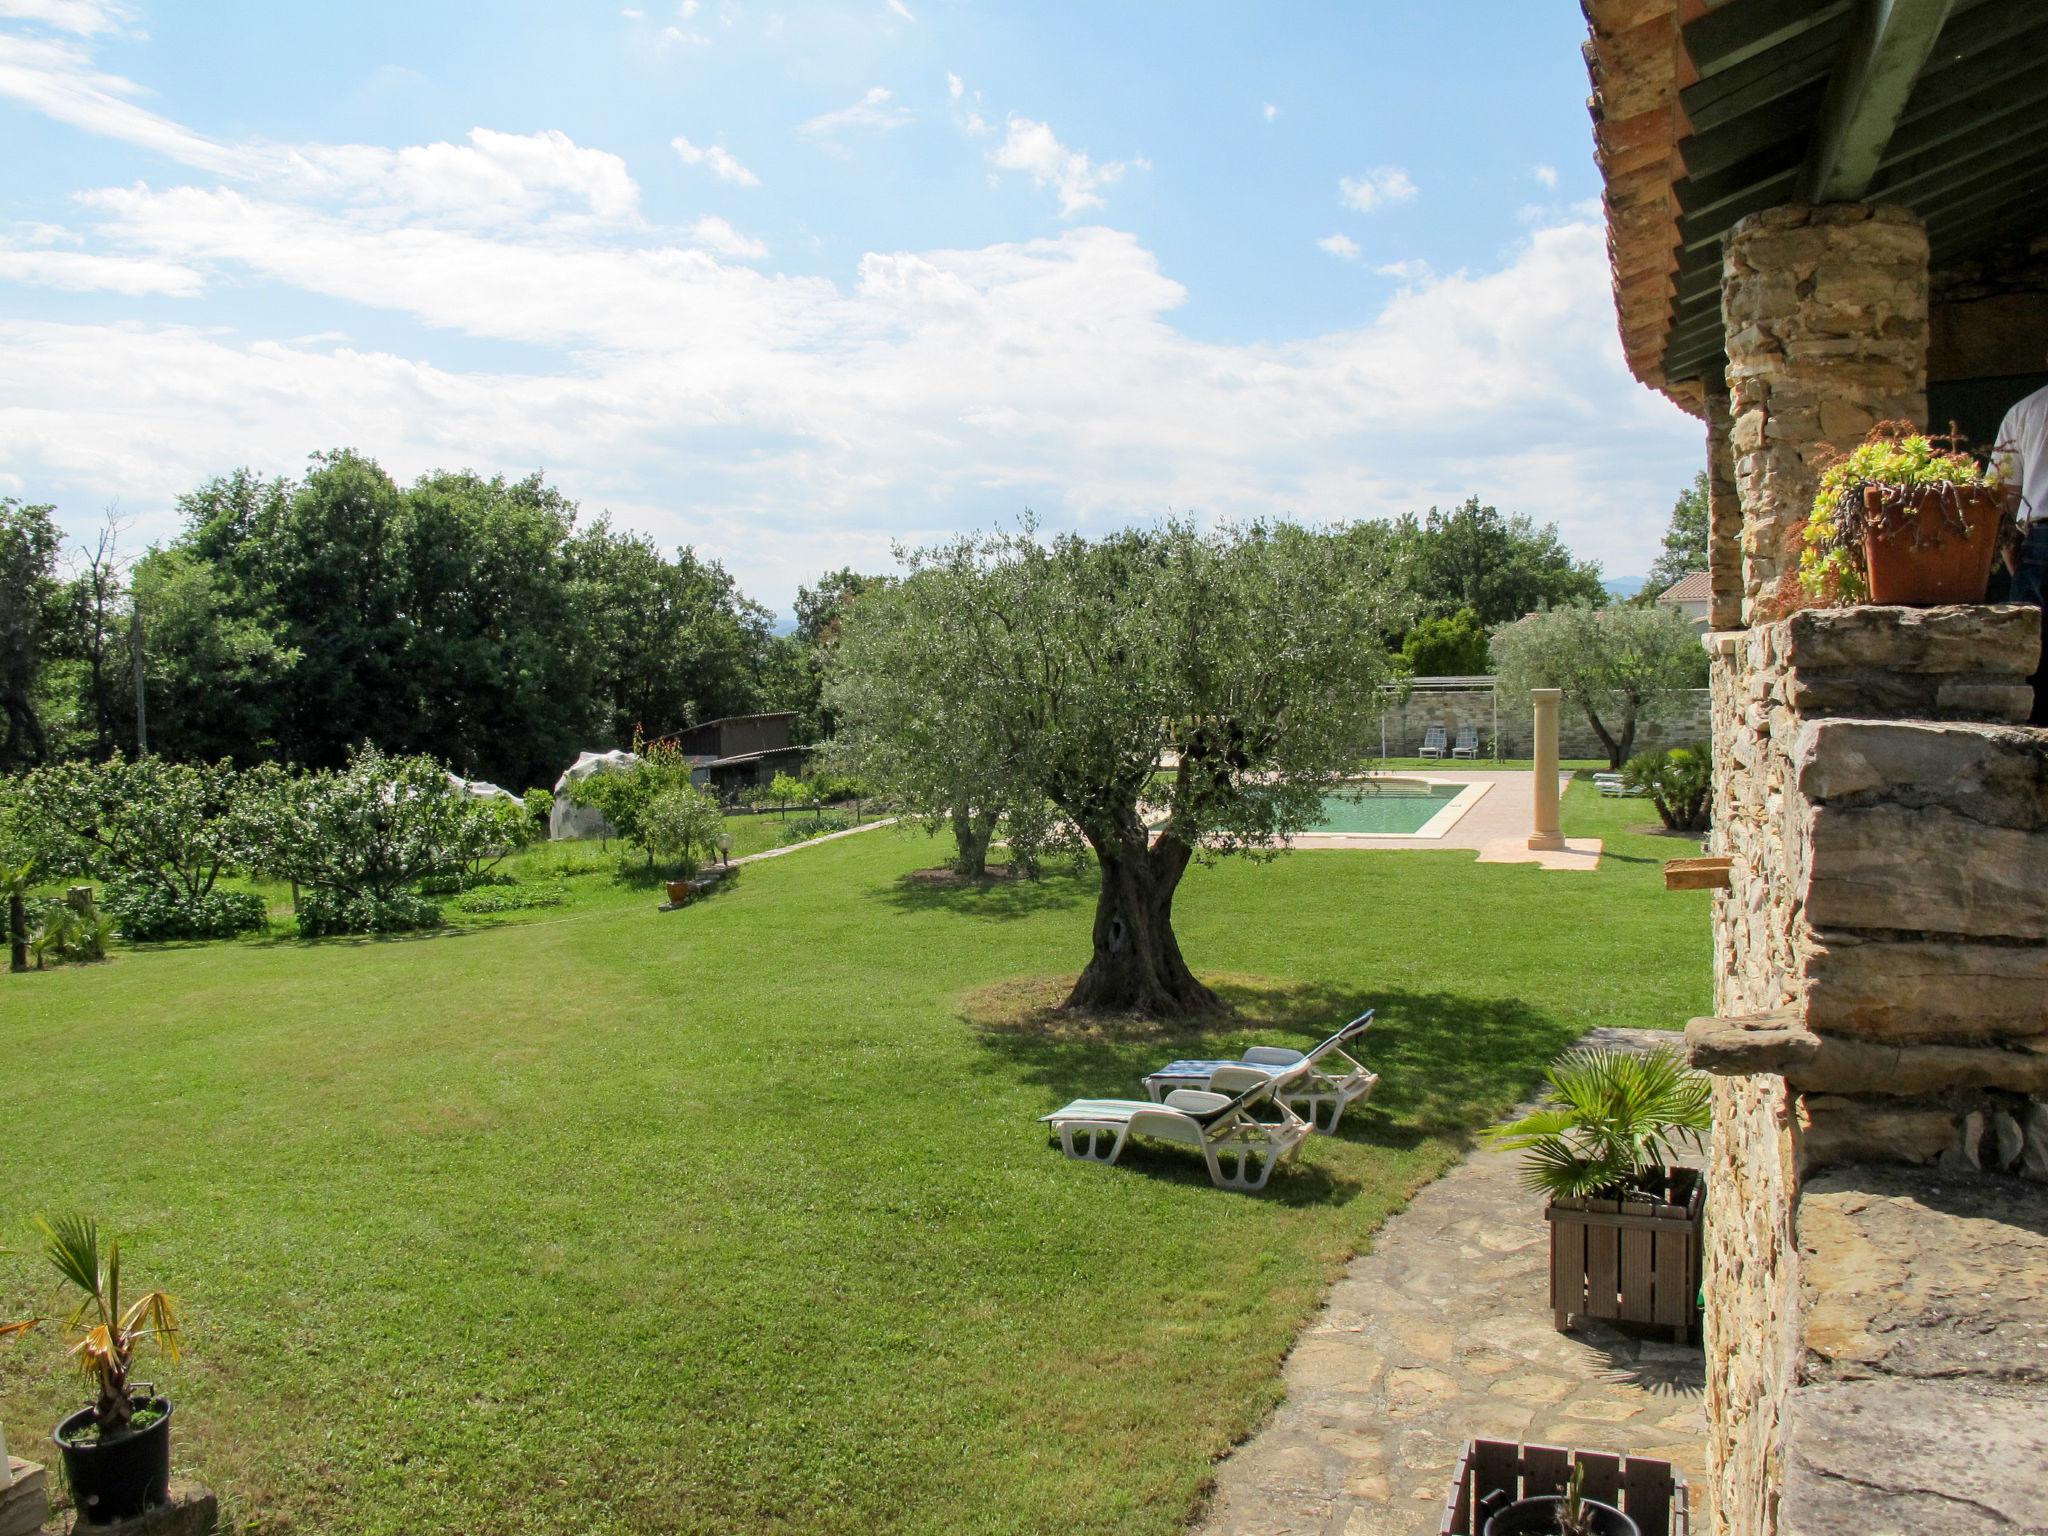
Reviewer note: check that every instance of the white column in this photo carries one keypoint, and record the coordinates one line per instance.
(1546, 833)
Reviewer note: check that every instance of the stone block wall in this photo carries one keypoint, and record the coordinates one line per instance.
(1887, 822)
(1681, 719)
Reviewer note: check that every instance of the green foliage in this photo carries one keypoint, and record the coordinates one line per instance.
(1004, 672)
(623, 796)
(104, 1334)
(213, 672)
(1685, 540)
(1679, 782)
(63, 933)
(30, 616)
(540, 808)
(811, 826)
(325, 910)
(787, 789)
(1473, 557)
(1616, 665)
(1619, 1113)
(680, 827)
(516, 898)
(358, 839)
(1895, 458)
(159, 833)
(1446, 647)
(143, 912)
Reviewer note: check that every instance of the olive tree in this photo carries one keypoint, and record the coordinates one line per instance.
(1173, 694)
(917, 725)
(681, 826)
(1616, 665)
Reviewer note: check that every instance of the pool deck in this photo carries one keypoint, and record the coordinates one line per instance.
(1495, 825)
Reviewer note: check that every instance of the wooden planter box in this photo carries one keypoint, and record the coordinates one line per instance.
(1634, 1260)
(1652, 1493)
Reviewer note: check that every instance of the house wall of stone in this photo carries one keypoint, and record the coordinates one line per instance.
(1887, 823)
(1680, 719)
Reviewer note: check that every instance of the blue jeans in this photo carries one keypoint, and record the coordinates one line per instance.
(2030, 585)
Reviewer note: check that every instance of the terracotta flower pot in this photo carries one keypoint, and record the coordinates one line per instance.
(678, 892)
(1913, 554)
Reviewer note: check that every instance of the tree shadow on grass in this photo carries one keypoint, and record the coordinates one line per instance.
(992, 900)
(1448, 1062)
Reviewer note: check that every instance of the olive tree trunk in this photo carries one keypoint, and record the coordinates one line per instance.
(1137, 965)
(973, 831)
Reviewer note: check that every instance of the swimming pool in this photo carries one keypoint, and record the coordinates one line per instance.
(1387, 807)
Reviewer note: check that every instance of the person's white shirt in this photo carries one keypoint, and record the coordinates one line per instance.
(2020, 454)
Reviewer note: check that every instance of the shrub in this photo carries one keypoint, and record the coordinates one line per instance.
(814, 826)
(325, 909)
(540, 808)
(518, 898)
(144, 912)
(169, 828)
(622, 798)
(1896, 459)
(1680, 783)
(1617, 1114)
(680, 824)
(376, 828)
(66, 934)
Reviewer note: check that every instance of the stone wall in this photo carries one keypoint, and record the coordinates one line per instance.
(1826, 314)
(1887, 825)
(1681, 719)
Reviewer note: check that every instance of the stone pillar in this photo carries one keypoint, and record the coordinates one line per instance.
(1724, 514)
(1547, 832)
(1826, 316)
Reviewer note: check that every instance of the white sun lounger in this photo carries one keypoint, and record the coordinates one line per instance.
(1432, 742)
(1468, 742)
(1322, 1078)
(1241, 1150)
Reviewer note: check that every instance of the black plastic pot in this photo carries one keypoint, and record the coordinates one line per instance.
(1538, 1517)
(118, 1479)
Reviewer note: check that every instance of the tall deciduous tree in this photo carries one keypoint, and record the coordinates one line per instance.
(30, 615)
(1685, 539)
(1174, 694)
(1500, 567)
(1616, 665)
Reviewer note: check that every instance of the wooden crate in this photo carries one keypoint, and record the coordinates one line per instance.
(1650, 1492)
(1634, 1260)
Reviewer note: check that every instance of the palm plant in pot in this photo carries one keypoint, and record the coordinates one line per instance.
(1624, 1220)
(117, 1449)
(1903, 518)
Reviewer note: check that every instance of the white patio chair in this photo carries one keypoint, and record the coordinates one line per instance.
(1433, 742)
(1468, 742)
(1241, 1150)
(1322, 1078)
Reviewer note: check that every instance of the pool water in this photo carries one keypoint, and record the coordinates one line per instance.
(1386, 808)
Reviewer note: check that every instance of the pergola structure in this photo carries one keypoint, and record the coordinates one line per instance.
(1823, 214)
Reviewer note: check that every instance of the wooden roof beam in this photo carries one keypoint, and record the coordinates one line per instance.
(1867, 95)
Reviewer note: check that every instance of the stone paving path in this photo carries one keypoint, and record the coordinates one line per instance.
(1442, 1332)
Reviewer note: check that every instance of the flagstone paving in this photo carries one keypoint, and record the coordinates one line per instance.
(1441, 1332)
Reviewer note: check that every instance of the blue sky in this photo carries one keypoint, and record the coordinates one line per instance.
(790, 282)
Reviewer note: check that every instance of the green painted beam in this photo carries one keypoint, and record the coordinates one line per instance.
(1867, 95)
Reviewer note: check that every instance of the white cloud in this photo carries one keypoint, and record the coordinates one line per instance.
(1271, 111)
(632, 13)
(678, 37)
(955, 86)
(1379, 186)
(716, 159)
(875, 109)
(1410, 271)
(81, 272)
(1031, 147)
(784, 422)
(1546, 174)
(688, 8)
(901, 10)
(716, 234)
(1343, 247)
(84, 17)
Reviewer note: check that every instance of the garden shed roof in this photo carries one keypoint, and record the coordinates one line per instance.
(1705, 111)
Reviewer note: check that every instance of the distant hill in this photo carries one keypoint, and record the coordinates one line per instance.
(1624, 586)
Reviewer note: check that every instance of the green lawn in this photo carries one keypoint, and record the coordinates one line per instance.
(600, 1219)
